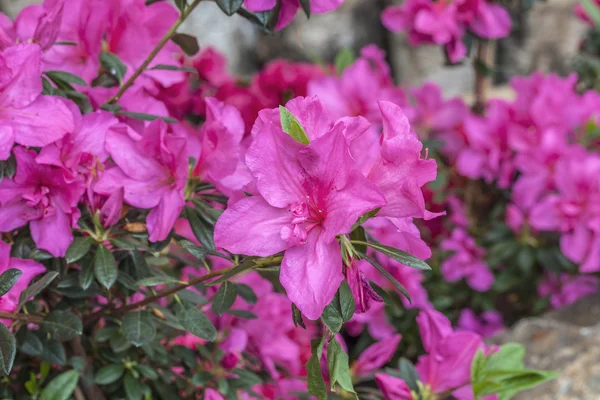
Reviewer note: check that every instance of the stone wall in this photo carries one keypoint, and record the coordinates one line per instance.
(545, 38)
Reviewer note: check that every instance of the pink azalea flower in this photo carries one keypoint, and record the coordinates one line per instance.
(487, 154)
(27, 117)
(152, 169)
(490, 21)
(29, 269)
(36, 23)
(393, 388)
(565, 289)
(487, 324)
(308, 194)
(574, 210)
(447, 364)
(433, 113)
(289, 8)
(39, 195)
(212, 394)
(219, 142)
(466, 262)
(376, 356)
(400, 172)
(376, 321)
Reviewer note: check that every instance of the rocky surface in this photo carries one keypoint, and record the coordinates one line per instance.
(567, 341)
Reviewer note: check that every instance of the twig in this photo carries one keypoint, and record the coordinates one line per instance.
(483, 59)
(154, 52)
(36, 319)
(92, 391)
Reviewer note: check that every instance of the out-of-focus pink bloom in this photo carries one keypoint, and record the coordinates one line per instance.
(361, 85)
(212, 394)
(433, 113)
(152, 170)
(574, 210)
(458, 213)
(39, 195)
(466, 262)
(289, 8)
(487, 324)
(376, 356)
(565, 289)
(393, 388)
(236, 342)
(447, 364)
(361, 290)
(376, 321)
(38, 24)
(308, 195)
(489, 21)
(487, 154)
(27, 117)
(29, 270)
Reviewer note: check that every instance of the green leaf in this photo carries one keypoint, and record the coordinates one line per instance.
(8, 350)
(61, 387)
(156, 280)
(114, 65)
(509, 357)
(139, 328)
(187, 43)
(316, 383)
(340, 309)
(224, 298)
(267, 20)
(386, 275)
(181, 4)
(526, 380)
(297, 316)
(37, 287)
(195, 322)
(134, 389)
(230, 7)
(62, 76)
(145, 117)
(395, 254)
(86, 274)
(292, 127)
(339, 369)
(54, 352)
(343, 60)
(478, 366)
(165, 67)
(31, 344)
(202, 229)
(105, 267)
(592, 10)
(8, 168)
(8, 280)
(78, 248)
(408, 373)
(305, 4)
(147, 371)
(245, 314)
(246, 293)
(246, 379)
(62, 325)
(109, 374)
(192, 297)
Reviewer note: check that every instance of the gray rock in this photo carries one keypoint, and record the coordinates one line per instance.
(12, 7)
(567, 341)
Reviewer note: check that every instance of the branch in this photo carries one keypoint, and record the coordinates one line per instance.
(36, 319)
(154, 52)
(483, 59)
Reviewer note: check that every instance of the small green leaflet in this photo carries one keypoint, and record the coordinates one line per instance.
(316, 383)
(395, 254)
(343, 60)
(292, 127)
(8, 280)
(339, 370)
(592, 10)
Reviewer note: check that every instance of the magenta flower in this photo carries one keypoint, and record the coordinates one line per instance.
(152, 169)
(289, 8)
(39, 195)
(447, 364)
(433, 113)
(376, 356)
(29, 269)
(35, 24)
(565, 289)
(393, 388)
(27, 117)
(308, 194)
(466, 262)
(487, 324)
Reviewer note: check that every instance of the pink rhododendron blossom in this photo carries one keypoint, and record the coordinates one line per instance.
(393, 388)
(565, 289)
(376, 356)
(445, 23)
(374, 319)
(447, 364)
(289, 8)
(308, 194)
(152, 169)
(40, 195)
(466, 261)
(29, 270)
(38, 24)
(487, 324)
(433, 113)
(212, 394)
(27, 117)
